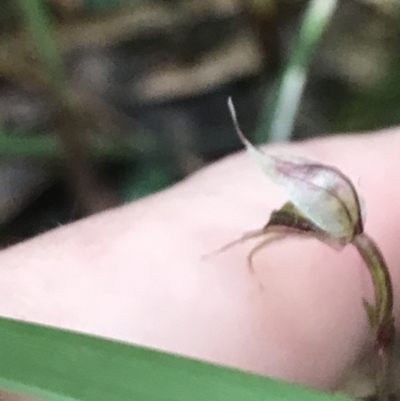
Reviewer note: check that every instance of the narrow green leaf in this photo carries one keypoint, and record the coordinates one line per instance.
(47, 146)
(40, 27)
(59, 365)
(294, 77)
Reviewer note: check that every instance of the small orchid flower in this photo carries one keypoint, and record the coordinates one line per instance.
(322, 194)
(323, 203)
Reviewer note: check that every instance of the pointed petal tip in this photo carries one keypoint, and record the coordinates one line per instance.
(238, 130)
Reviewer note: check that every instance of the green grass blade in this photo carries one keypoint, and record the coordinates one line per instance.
(39, 24)
(59, 365)
(294, 77)
(37, 146)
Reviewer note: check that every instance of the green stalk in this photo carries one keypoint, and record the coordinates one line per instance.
(291, 87)
(381, 314)
(39, 25)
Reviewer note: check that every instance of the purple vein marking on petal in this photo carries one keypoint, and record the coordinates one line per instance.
(270, 164)
(287, 169)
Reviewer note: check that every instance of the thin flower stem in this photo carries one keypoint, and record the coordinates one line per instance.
(381, 314)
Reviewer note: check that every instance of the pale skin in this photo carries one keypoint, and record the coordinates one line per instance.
(136, 273)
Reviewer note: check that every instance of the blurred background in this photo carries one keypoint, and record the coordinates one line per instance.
(103, 102)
